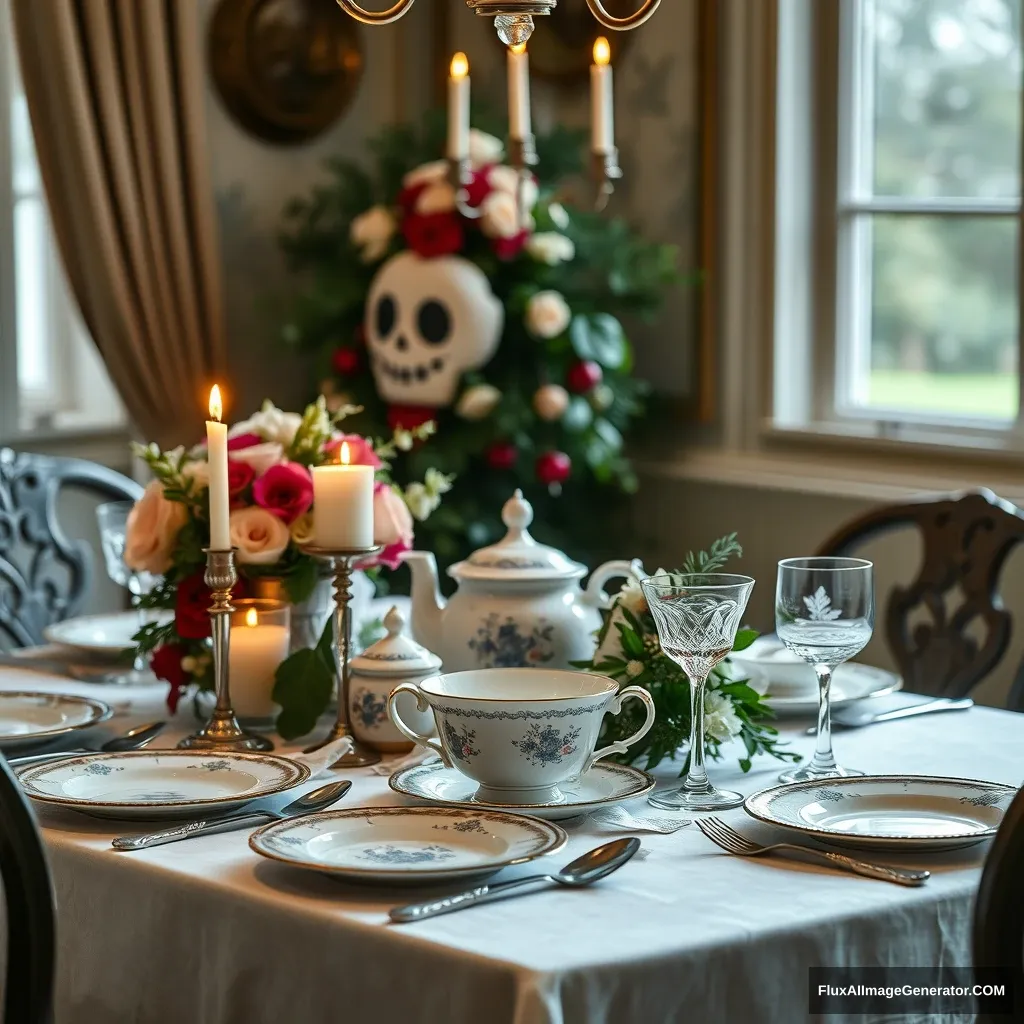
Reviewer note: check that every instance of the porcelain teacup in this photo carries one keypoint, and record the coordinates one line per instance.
(520, 732)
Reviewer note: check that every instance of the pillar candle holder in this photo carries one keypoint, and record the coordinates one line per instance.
(606, 171)
(460, 176)
(342, 561)
(222, 732)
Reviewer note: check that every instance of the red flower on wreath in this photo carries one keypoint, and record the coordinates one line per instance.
(509, 248)
(192, 606)
(478, 188)
(409, 417)
(166, 664)
(433, 234)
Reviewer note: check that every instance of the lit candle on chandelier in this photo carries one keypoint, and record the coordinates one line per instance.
(458, 108)
(217, 456)
(519, 123)
(343, 504)
(602, 106)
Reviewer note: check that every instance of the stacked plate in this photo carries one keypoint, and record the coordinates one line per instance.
(105, 636)
(29, 718)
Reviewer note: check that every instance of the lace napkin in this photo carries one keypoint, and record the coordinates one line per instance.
(618, 819)
(320, 761)
(419, 755)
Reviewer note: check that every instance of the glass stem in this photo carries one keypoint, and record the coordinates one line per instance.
(696, 775)
(823, 759)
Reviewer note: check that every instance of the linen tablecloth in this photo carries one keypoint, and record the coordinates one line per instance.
(207, 932)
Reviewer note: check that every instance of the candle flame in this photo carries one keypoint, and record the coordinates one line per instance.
(345, 456)
(216, 405)
(602, 51)
(460, 65)
(251, 618)
(518, 48)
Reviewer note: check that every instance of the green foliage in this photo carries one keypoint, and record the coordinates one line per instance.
(303, 685)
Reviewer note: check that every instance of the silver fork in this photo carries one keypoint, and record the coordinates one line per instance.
(732, 842)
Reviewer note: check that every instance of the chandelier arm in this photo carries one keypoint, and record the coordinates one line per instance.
(620, 24)
(393, 13)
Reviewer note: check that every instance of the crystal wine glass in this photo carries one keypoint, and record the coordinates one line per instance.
(113, 523)
(697, 616)
(824, 614)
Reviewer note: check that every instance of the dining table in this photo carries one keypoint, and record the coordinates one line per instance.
(206, 931)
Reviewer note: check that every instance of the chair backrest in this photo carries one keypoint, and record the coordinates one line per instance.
(28, 894)
(998, 938)
(43, 574)
(967, 538)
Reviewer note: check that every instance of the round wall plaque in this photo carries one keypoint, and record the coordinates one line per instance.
(285, 69)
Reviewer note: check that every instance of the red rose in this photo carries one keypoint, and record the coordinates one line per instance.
(509, 248)
(409, 417)
(408, 196)
(478, 188)
(433, 234)
(286, 490)
(240, 475)
(236, 444)
(192, 606)
(166, 664)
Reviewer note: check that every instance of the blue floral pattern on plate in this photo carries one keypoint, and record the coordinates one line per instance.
(102, 769)
(544, 744)
(460, 744)
(388, 853)
(368, 709)
(502, 644)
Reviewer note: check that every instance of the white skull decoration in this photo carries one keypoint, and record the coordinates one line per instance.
(428, 321)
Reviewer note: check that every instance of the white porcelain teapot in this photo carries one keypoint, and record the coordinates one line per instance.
(519, 603)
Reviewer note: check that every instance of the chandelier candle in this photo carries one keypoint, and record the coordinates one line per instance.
(519, 123)
(602, 108)
(458, 108)
(343, 504)
(217, 453)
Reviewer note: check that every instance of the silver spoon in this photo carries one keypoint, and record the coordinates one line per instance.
(856, 718)
(133, 739)
(582, 871)
(315, 800)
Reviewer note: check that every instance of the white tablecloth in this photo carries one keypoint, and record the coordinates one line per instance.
(206, 932)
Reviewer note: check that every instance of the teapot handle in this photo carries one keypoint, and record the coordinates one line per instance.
(595, 594)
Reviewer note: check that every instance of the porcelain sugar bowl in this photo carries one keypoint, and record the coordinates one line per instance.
(519, 603)
(392, 660)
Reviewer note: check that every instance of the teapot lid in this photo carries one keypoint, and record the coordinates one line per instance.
(396, 653)
(517, 556)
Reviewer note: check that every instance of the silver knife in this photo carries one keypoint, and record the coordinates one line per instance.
(316, 800)
(848, 718)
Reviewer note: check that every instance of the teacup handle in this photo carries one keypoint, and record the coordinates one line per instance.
(422, 704)
(621, 746)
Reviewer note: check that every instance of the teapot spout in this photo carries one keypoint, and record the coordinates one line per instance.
(427, 603)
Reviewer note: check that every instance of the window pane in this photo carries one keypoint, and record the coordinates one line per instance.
(941, 332)
(946, 97)
(31, 270)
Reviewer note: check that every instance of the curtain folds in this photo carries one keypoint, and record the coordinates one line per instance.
(115, 94)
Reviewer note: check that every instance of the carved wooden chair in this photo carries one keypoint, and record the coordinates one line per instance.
(967, 538)
(44, 575)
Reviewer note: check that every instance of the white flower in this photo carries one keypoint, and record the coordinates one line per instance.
(547, 314)
(198, 471)
(559, 216)
(272, 424)
(261, 538)
(508, 179)
(420, 501)
(403, 439)
(720, 719)
(484, 148)
(438, 482)
(551, 248)
(634, 668)
(477, 402)
(436, 170)
(260, 456)
(302, 529)
(631, 597)
(438, 197)
(371, 232)
(499, 215)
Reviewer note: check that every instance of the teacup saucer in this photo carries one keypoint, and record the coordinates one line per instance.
(604, 785)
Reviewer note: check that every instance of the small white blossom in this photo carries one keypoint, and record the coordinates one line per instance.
(634, 668)
(438, 482)
(420, 501)
(547, 314)
(551, 248)
(403, 440)
(720, 719)
(559, 216)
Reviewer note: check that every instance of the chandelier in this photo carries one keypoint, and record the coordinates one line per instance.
(513, 19)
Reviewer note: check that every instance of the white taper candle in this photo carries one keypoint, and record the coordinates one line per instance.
(217, 456)
(602, 104)
(458, 108)
(519, 122)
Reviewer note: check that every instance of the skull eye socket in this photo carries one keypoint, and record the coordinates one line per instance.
(433, 322)
(386, 314)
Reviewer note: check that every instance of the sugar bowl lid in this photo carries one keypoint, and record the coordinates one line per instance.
(517, 556)
(396, 653)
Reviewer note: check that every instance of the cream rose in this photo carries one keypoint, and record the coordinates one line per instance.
(371, 232)
(551, 248)
(261, 538)
(436, 198)
(547, 314)
(260, 456)
(499, 215)
(508, 179)
(436, 170)
(484, 149)
(302, 529)
(270, 423)
(152, 530)
(477, 402)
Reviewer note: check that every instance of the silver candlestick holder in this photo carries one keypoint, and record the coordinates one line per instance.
(606, 171)
(522, 155)
(342, 562)
(222, 731)
(460, 177)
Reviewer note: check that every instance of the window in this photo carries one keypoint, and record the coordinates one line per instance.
(59, 382)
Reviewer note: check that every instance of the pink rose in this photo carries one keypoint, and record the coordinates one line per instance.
(360, 451)
(286, 490)
(236, 444)
(152, 530)
(260, 456)
(261, 538)
(392, 524)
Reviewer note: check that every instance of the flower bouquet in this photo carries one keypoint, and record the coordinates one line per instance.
(629, 651)
(270, 456)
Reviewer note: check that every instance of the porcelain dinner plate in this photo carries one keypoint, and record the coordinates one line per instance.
(851, 682)
(402, 845)
(160, 783)
(27, 717)
(604, 785)
(894, 812)
(101, 634)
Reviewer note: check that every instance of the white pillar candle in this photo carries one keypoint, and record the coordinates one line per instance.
(458, 108)
(602, 106)
(217, 455)
(256, 650)
(343, 504)
(519, 123)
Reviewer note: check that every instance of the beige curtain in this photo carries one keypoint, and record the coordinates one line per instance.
(115, 92)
